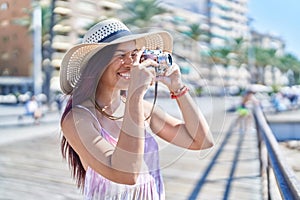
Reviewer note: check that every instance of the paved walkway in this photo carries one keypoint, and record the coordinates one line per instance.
(32, 169)
(14, 116)
(231, 169)
(31, 166)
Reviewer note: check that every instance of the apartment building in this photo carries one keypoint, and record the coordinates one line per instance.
(228, 19)
(268, 41)
(73, 18)
(16, 46)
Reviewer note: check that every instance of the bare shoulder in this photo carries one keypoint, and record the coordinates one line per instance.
(78, 116)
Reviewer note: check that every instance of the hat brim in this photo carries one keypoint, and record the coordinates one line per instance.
(76, 58)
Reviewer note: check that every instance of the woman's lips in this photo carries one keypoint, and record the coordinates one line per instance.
(125, 75)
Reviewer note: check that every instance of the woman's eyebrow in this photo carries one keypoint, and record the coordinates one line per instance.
(120, 50)
(124, 50)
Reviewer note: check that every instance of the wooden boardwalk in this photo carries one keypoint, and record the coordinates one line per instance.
(229, 171)
(32, 167)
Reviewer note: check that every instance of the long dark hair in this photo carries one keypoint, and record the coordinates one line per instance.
(84, 90)
(68, 153)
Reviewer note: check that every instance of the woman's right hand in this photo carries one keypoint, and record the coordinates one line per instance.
(142, 75)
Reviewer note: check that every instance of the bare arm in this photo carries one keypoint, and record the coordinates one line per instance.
(193, 132)
(83, 133)
(129, 151)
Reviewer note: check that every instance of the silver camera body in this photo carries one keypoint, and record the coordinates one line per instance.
(164, 60)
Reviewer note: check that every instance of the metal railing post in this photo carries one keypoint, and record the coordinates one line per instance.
(287, 182)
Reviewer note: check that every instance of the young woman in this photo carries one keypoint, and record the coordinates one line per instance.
(104, 138)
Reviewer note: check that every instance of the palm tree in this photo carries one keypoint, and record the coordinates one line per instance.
(219, 56)
(141, 12)
(46, 19)
(194, 32)
(233, 53)
(47, 37)
(290, 62)
(263, 58)
(261, 61)
(239, 51)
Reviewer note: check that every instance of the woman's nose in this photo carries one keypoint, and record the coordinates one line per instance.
(128, 60)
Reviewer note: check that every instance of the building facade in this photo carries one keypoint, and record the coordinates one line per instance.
(73, 17)
(228, 19)
(268, 41)
(16, 46)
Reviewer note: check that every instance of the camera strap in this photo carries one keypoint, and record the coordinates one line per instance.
(154, 101)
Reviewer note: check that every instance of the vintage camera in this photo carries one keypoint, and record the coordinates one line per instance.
(163, 59)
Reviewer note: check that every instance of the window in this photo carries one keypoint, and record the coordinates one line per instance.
(4, 6)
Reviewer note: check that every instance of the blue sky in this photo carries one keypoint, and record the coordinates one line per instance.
(280, 17)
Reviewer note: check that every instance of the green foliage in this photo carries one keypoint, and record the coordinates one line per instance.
(46, 16)
(195, 32)
(289, 61)
(275, 88)
(219, 55)
(142, 11)
(198, 91)
(234, 53)
(285, 62)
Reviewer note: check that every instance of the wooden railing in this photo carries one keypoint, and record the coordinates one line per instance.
(273, 164)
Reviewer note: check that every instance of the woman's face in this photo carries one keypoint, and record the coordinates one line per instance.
(117, 73)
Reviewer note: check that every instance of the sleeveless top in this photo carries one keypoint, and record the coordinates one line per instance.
(149, 184)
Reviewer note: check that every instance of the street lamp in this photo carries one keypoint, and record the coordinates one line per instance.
(37, 49)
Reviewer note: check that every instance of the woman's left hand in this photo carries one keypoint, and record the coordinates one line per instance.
(172, 78)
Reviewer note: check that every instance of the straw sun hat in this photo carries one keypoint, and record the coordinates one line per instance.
(103, 34)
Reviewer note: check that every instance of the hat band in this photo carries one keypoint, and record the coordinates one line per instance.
(115, 35)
